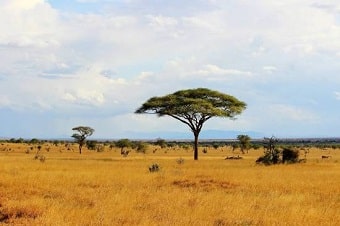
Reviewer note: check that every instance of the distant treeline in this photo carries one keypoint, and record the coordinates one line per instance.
(254, 143)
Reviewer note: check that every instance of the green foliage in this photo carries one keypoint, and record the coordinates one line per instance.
(161, 142)
(244, 142)
(290, 156)
(270, 158)
(123, 143)
(141, 147)
(18, 141)
(34, 141)
(216, 145)
(256, 146)
(271, 153)
(200, 103)
(91, 144)
(235, 146)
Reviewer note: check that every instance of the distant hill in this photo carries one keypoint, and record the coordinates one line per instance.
(205, 134)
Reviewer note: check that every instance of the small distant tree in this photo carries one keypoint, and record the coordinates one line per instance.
(123, 143)
(161, 142)
(216, 145)
(34, 141)
(271, 153)
(141, 147)
(244, 141)
(82, 133)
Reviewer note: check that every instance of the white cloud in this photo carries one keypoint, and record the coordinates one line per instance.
(161, 21)
(81, 96)
(288, 112)
(4, 101)
(269, 69)
(214, 70)
(337, 95)
(20, 4)
(27, 23)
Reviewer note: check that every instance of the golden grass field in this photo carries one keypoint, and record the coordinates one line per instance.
(104, 188)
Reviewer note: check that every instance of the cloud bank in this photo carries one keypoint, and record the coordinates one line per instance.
(65, 63)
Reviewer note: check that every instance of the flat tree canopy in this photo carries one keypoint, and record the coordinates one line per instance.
(83, 133)
(194, 107)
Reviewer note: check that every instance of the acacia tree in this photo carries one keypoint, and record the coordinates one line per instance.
(244, 142)
(123, 143)
(194, 107)
(83, 133)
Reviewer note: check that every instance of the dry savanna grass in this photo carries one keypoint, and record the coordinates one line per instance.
(104, 188)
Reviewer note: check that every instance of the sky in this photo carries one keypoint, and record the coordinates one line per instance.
(65, 63)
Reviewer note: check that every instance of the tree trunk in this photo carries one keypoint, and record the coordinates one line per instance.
(80, 146)
(196, 146)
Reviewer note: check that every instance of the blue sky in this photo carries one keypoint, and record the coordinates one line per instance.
(93, 62)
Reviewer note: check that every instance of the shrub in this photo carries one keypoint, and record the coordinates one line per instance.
(141, 147)
(271, 153)
(91, 144)
(290, 156)
(216, 145)
(154, 168)
(161, 142)
(269, 158)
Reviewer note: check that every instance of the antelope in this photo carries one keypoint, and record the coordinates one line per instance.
(326, 156)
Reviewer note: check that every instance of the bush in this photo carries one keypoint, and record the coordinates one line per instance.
(91, 144)
(290, 156)
(141, 147)
(272, 157)
(154, 168)
(271, 153)
(161, 142)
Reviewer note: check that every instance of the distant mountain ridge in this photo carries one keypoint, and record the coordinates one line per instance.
(205, 134)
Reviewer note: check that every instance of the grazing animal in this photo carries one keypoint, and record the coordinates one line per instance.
(233, 157)
(326, 156)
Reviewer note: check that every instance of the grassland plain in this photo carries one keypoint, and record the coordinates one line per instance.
(104, 188)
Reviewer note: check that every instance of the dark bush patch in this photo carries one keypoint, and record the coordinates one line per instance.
(290, 156)
(154, 168)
